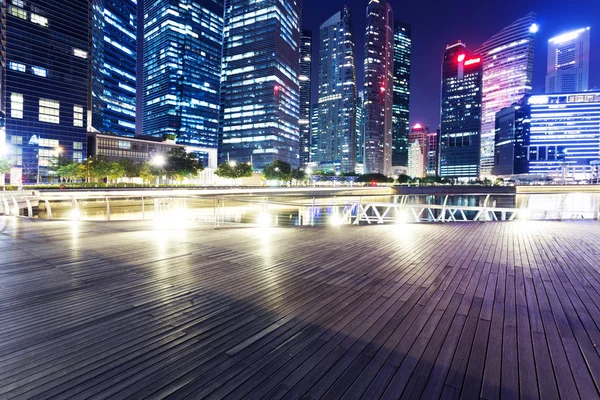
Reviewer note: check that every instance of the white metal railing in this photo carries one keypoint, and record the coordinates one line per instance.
(11, 203)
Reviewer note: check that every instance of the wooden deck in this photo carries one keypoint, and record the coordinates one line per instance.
(121, 310)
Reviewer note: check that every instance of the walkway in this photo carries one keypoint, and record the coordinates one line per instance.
(124, 310)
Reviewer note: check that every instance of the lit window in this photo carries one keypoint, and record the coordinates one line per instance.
(77, 145)
(53, 143)
(77, 116)
(39, 71)
(49, 111)
(78, 156)
(16, 105)
(38, 19)
(79, 53)
(16, 140)
(17, 12)
(16, 66)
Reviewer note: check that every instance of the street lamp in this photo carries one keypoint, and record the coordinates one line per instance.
(158, 161)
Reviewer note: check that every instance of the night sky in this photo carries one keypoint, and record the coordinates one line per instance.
(436, 23)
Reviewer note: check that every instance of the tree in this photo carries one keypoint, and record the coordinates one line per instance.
(298, 174)
(148, 172)
(232, 170)
(68, 172)
(114, 171)
(278, 170)
(181, 164)
(131, 169)
(4, 169)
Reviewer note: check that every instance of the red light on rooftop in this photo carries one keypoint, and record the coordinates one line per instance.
(461, 57)
(473, 61)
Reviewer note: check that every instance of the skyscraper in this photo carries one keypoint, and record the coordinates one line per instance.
(507, 59)
(401, 107)
(461, 113)
(378, 99)
(433, 152)
(360, 130)
(182, 71)
(114, 54)
(512, 139)
(417, 151)
(47, 60)
(314, 130)
(564, 134)
(305, 95)
(336, 144)
(569, 62)
(260, 92)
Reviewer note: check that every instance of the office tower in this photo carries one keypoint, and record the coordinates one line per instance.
(360, 130)
(305, 95)
(564, 134)
(433, 151)
(114, 54)
(260, 91)
(507, 59)
(336, 146)
(378, 90)
(182, 72)
(417, 151)
(569, 62)
(314, 131)
(461, 113)
(512, 139)
(46, 81)
(400, 109)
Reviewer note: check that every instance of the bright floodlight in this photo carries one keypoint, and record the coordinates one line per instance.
(534, 28)
(402, 217)
(309, 171)
(337, 173)
(524, 214)
(263, 219)
(158, 160)
(232, 163)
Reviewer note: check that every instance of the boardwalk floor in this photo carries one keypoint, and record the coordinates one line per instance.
(124, 310)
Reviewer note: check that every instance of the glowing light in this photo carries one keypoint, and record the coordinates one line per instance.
(461, 58)
(524, 214)
(336, 220)
(473, 61)
(158, 160)
(232, 163)
(417, 126)
(309, 171)
(263, 219)
(534, 28)
(382, 89)
(403, 217)
(75, 214)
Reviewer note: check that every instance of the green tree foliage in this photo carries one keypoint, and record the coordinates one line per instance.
(4, 166)
(235, 171)
(181, 164)
(298, 174)
(278, 170)
(131, 169)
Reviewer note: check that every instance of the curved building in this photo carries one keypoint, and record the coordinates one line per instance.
(507, 73)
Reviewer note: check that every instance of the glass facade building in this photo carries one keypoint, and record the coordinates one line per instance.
(511, 152)
(182, 71)
(401, 107)
(114, 55)
(46, 83)
(378, 87)
(433, 152)
(564, 133)
(569, 62)
(461, 113)
(336, 142)
(314, 130)
(360, 130)
(260, 91)
(305, 95)
(507, 74)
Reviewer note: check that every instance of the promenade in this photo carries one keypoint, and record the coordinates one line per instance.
(461, 310)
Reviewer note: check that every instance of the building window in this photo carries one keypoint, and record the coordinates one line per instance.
(18, 140)
(39, 71)
(16, 105)
(16, 66)
(77, 145)
(38, 19)
(77, 116)
(79, 53)
(49, 111)
(78, 156)
(17, 12)
(53, 143)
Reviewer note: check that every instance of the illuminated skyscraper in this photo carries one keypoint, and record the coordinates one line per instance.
(512, 139)
(378, 90)
(114, 54)
(182, 71)
(314, 130)
(507, 73)
(305, 95)
(417, 151)
(461, 113)
(360, 130)
(46, 81)
(401, 107)
(336, 144)
(260, 91)
(569, 62)
(564, 134)
(433, 152)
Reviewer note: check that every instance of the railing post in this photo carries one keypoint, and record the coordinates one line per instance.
(312, 213)
(443, 218)
(48, 209)
(596, 208)
(484, 212)
(143, 210)
(562, 207)
(29, 208)
(107, 209)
